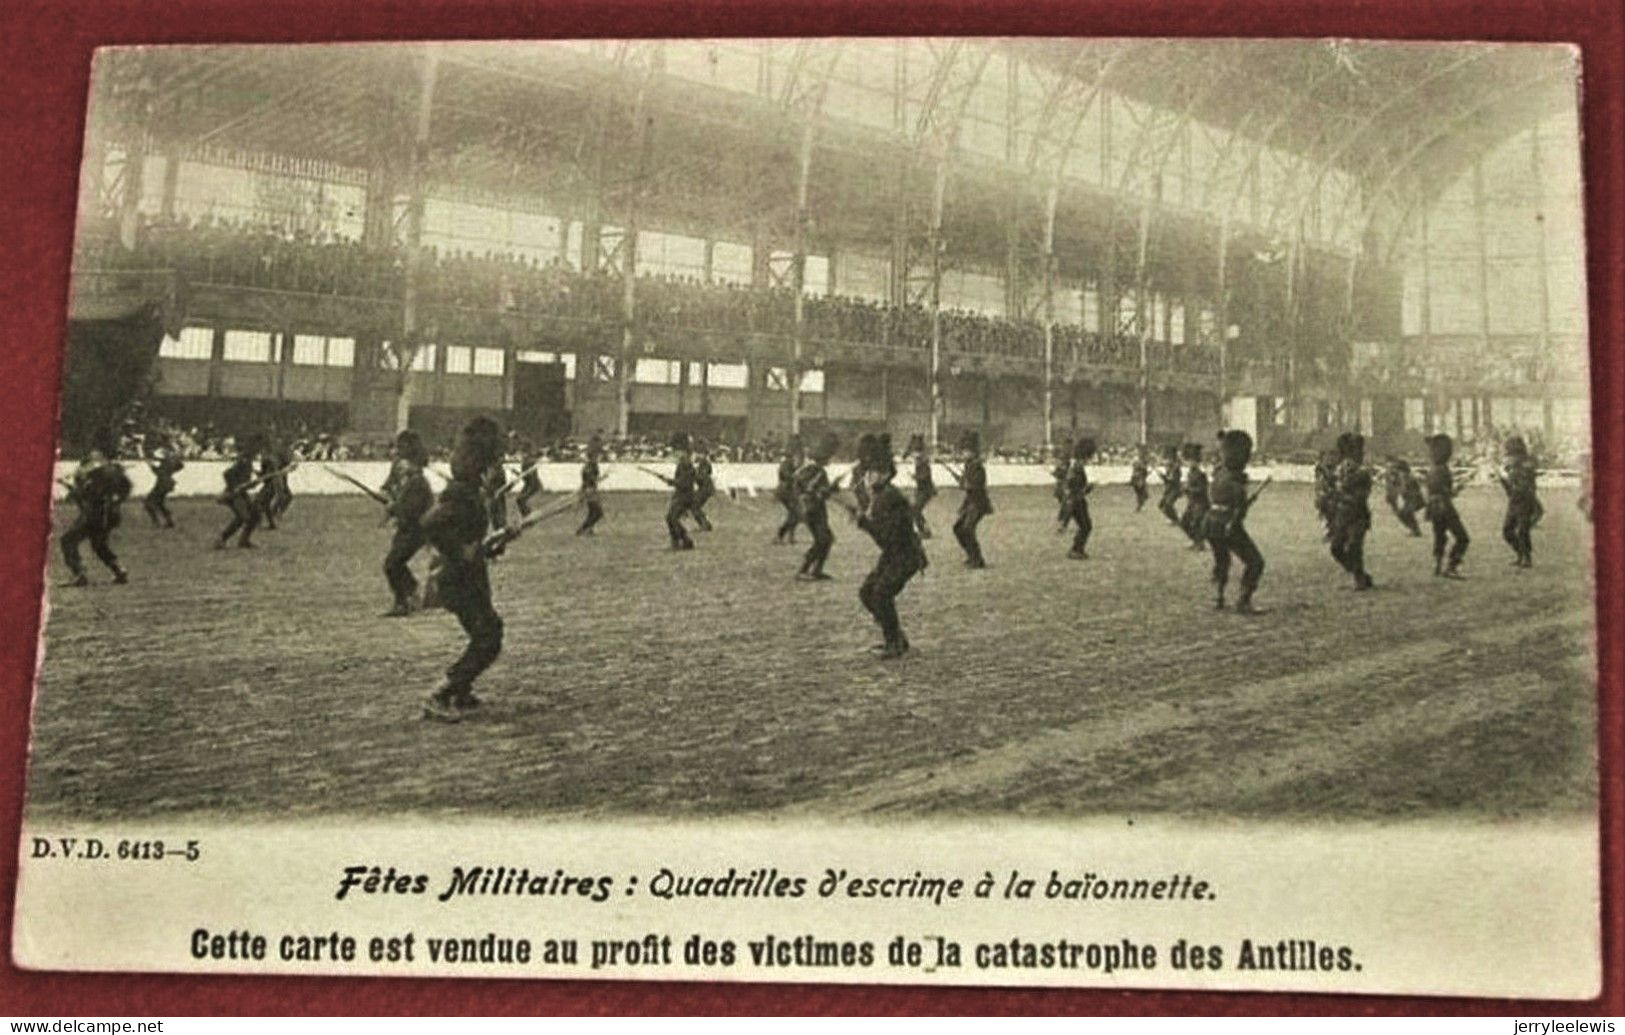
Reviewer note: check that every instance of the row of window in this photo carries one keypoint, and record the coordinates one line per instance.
(197, 343)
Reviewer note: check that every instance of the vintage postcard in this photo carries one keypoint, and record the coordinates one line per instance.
(1074, 512)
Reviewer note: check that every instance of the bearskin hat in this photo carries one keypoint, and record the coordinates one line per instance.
(970, 442)
(1193, 452)
(916, 444)
(678, 440)
(1236, 449)
(1440, 447)
(828, 443)
(1351, 446)
(479, 446)
(867, 445)
(1083, 448)
(595, 446)
(105, 441)
(409, 444)
(1515, 446)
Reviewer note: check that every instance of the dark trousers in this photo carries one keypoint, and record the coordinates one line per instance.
(674, 523)
(971, 513)
(1517, 530)
(1079, 513)
(245, 517)
(466, 593)
(265, 501)
(282, 497)
(1141, 494)
(98, 532)
(397, 562)
(1063, 511)
(522, 501)
(696, 510)
(595, 514)
(817, 519)
(1348, 544)
(156, 504)
(879, 595)
(921, 498)
(792, 518)
(1447, 526)
(1407, 517)
(1194, 518)
(1168, 507)
(1234, 541)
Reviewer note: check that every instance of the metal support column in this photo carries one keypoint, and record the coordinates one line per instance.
(1482, 245)
(798, 268)
(406, 348)
(934, 242)
(1142, 311)
(629, 266)
(1051, 199)
(1221, 317)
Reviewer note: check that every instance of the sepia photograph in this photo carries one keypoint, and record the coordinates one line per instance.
(832, 445)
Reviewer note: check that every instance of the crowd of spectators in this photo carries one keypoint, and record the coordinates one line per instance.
(262, 255)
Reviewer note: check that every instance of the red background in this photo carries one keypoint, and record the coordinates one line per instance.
(45, 52)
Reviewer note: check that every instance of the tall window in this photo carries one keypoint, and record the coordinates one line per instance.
(248, 347)
(194, 343)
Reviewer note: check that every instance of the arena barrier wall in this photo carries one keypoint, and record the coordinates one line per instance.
(204, 477)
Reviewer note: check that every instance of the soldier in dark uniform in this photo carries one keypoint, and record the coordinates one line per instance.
(1138, 476)
(867, 444)
(265, 497)
(705, 485)
(1441, 509)
(976, 505)
(813, 489)
(786, 492)
(1404, 494)
(98, 488)
(1225, 521)
(155, 503)
(493, 490)
(682, 485)
(889, 520)
(409, 499)
(1194, 520)
(245, 516)
(1351, 509)
(281, 489)
(1077, 497)
(530, 485)
(456, 527)
(1523, 506)
(1172, 485)
(925, 485)
(1058, 473)
(590, 476)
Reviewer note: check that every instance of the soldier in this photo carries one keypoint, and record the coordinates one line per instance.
(287, 458)
(682, 485)
(493, 490)
(976, 504)
(1404, 494)
(1351, 510)
(889, 520)
(409, 499)
(786, 493)
(590, 476)
(1058, 474)
(1138, 476)
(1523, 506)
(867, 444)
(1194, 520)
(155, 503)
(1077, 498)
(1172, 478)
(265, 498)
(814, 488)
(925, 486)
(1225, 521)
(1441, 509)
(530, 485)
(245, 516)
(705, 485)
(98, 488)
(456, 527)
